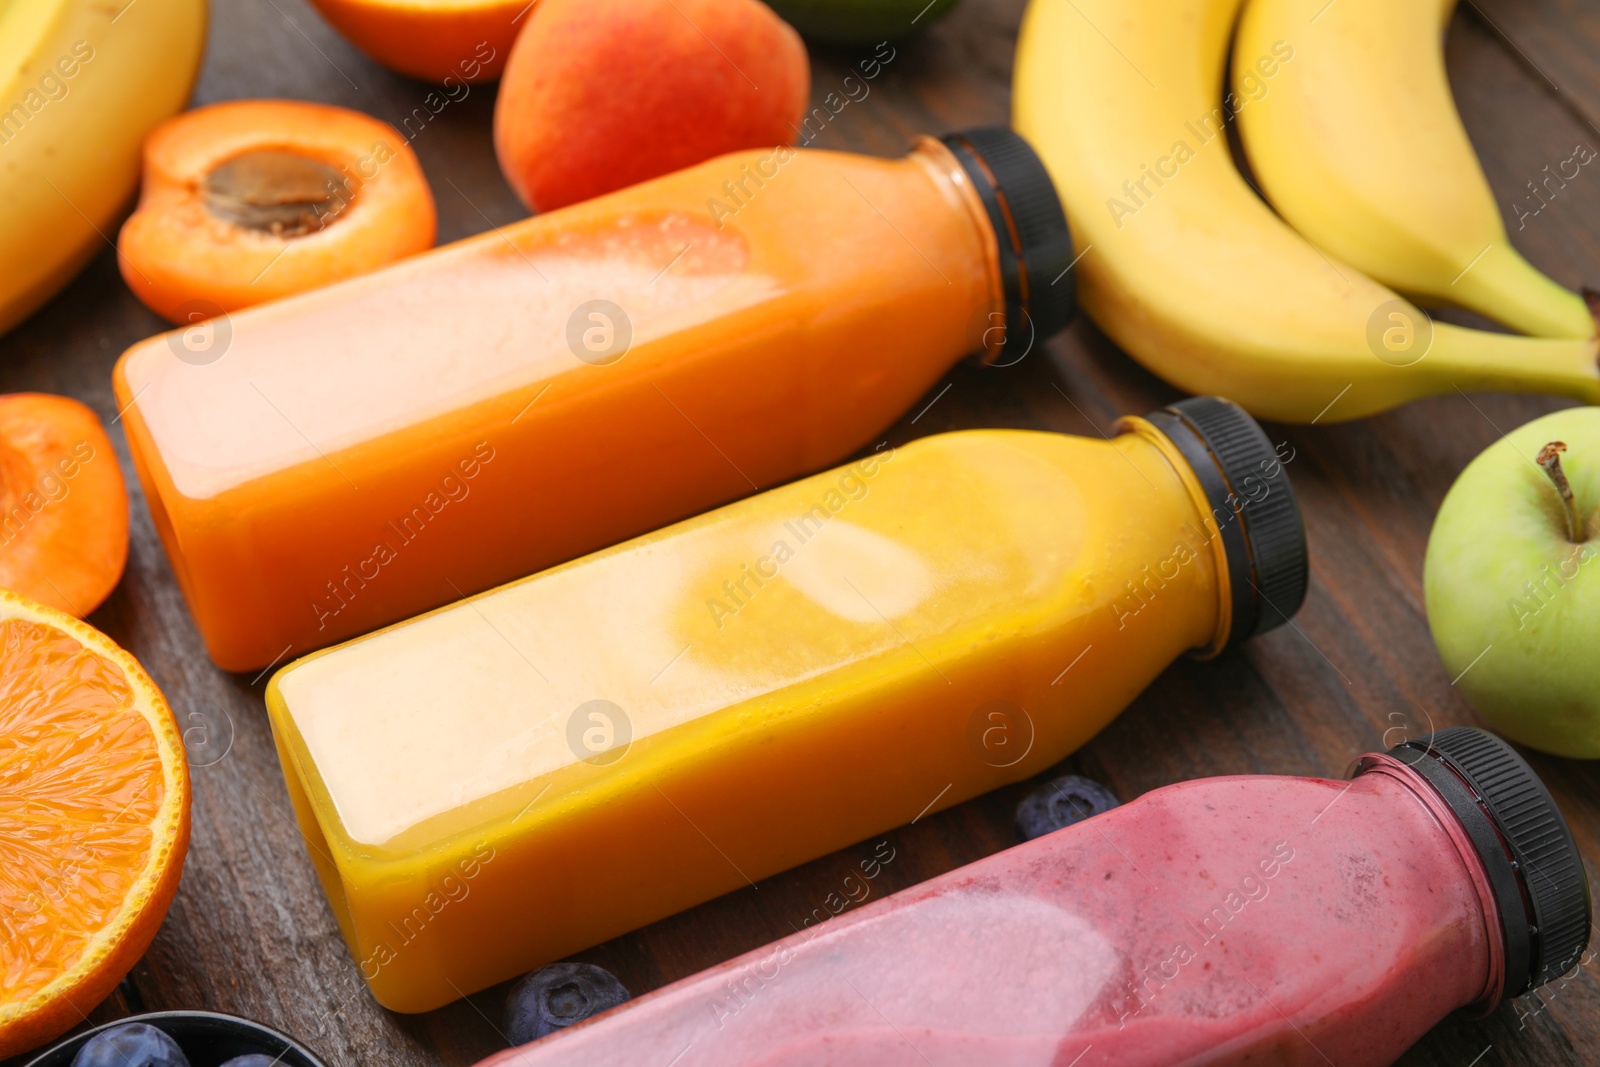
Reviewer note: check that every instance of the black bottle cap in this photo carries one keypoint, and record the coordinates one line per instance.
(1528, 853)
(1030, 228)
(1252, 505)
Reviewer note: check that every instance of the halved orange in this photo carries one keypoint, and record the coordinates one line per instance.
(94, 818)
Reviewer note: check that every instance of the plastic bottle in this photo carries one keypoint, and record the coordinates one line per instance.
(595, 747)
(322, 465)
(1243, 920)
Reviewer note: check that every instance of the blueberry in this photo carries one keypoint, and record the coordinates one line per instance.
(130, 1045)
(1059, 803)
(557, 996)
(254, 1059)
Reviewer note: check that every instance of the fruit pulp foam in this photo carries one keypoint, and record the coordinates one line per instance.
(614, 740)
(1243, 920)
(326, 464)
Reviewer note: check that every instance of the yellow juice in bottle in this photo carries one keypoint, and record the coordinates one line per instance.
(539, 768)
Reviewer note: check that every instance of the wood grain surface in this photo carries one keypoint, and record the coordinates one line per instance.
(251, 933)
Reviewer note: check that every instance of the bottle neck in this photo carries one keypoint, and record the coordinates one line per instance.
(1216, 523)
(1492, 989)
(988, 324)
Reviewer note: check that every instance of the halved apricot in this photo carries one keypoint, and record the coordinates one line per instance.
(63, 505)
(251, 200)
(435, 40)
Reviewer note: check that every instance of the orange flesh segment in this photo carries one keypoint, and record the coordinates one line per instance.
(81, 783)
(63, 505)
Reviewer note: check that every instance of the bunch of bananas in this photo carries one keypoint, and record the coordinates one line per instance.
(81, 83)
(1348, 124)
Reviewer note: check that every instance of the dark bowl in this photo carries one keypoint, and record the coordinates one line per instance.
(207, 1038)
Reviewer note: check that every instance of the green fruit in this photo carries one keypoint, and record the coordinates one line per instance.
(858, 22)
(1513, 595)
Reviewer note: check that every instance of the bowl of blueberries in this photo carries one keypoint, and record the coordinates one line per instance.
(179, 1039)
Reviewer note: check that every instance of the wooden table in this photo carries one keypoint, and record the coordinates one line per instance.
(250, 931)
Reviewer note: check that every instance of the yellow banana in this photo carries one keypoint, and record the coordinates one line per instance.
(1192, 273)
(81, 83)
(1357, 142)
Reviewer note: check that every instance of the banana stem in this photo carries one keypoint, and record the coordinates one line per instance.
(1478, 360)
(1507, 287)
(1550, 460)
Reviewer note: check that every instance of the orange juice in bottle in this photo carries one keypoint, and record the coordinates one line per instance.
(328, 463)
(531, 771)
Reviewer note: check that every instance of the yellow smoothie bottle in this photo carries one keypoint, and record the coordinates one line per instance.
(520, 775)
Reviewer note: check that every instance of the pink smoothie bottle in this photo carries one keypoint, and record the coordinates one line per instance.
(1241, 920)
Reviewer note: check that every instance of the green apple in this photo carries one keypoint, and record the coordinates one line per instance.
(1512, 586)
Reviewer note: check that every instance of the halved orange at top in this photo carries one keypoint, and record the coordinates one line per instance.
(94, 818)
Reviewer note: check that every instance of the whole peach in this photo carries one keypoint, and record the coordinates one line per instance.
(602, 94)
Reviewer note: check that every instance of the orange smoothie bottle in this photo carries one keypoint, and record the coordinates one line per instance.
(325, 464)
(539, 768)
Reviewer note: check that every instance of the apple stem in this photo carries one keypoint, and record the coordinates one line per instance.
(1550, 459)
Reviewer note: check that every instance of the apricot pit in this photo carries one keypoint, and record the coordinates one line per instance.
(273, 191)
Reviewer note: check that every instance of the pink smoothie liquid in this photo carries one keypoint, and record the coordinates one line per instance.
(1242, 920)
